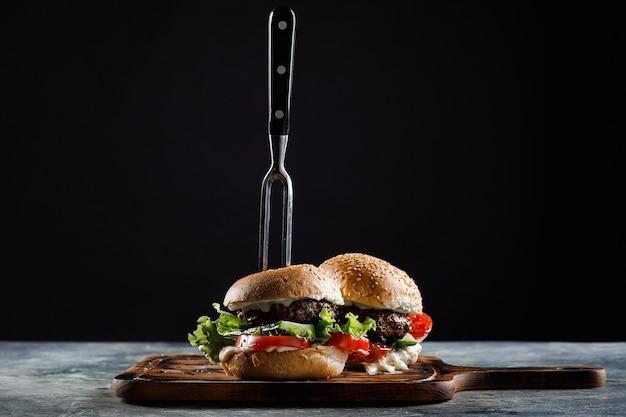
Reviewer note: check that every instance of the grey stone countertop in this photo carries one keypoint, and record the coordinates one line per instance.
(74, 379)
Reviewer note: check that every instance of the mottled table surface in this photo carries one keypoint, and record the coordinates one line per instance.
(74, 379)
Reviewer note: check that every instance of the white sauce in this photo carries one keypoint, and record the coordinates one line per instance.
(264, 306)
(398, 307)
(396, 361)
(359, 305)
(229, 351)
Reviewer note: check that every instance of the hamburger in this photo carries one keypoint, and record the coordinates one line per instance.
(294, 323)
(276, 327)
(374, 289)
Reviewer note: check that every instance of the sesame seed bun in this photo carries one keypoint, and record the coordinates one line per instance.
(373, 283)
(290, 282)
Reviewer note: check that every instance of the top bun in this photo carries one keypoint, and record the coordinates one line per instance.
(374, 283)
(290, 282)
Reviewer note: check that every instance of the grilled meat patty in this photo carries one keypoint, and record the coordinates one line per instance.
(389, 324)
(301, 311)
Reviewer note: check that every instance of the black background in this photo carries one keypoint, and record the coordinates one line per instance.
(472, 144)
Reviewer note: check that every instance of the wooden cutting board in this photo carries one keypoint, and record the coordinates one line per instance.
(181, 377)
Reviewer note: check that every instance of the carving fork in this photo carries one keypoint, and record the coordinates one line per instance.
(281, 36)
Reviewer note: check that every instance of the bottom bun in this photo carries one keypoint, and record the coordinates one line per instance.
(318, 362)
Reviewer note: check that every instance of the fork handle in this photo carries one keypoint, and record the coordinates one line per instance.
(282, 32)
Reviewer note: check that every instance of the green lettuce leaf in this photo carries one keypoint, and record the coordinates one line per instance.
(325, 327)
(356, 328)
(352, 326)
(227, 322)
(212, 335)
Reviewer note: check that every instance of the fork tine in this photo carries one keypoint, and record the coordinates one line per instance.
(287, 220)
(264, 224)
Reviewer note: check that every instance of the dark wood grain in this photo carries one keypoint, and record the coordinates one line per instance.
(182, 377)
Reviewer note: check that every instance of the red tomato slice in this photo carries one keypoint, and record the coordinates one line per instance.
(421, 324)
(348, 342)
(376, 352)
(269, 342)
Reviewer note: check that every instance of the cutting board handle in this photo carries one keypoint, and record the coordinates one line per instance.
(484, 378)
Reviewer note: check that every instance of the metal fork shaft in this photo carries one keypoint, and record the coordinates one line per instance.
(276, 172)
